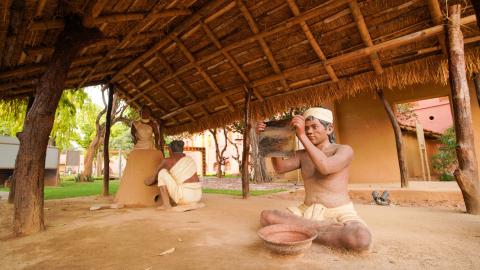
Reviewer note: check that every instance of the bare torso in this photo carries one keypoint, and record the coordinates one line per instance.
(330, 190)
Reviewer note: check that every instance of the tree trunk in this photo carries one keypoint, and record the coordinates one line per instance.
(217, 153)
(398, 139)
(246, 144)
(90, 155)
(106, 141)
(11, 194)
(467, 172)
(30, 162)
(260, 173)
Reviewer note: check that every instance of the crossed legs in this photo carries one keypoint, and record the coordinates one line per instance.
(351, 235)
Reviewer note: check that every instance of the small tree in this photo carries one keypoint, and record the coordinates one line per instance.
(219, 154)
(445, 160)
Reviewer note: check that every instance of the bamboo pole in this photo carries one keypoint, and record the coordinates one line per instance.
(106, 140)
(467, 172)
(398, 139)
(246, 144)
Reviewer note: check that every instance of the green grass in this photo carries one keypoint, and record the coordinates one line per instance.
(71, 189)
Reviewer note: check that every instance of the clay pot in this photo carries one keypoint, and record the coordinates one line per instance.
(287, 239)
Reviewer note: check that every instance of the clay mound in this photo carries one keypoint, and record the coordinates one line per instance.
(141, 164)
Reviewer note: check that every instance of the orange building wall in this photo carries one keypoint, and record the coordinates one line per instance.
(364, 125)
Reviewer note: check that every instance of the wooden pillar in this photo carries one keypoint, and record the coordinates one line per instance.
(106, 153)
(467, 172)
(246, 144)
(476, 82)
(161, 132)
(30, 162)
(398, 139)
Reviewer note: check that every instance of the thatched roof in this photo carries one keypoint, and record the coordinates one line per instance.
(191, 60)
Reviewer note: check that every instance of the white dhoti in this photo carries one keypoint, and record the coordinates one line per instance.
(180, 192)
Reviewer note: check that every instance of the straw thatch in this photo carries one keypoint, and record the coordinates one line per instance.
(191, 60)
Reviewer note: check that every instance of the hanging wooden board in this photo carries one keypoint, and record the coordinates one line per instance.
(278, 139)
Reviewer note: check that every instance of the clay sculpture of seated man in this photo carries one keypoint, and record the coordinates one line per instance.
(177, 180)
(325, 167)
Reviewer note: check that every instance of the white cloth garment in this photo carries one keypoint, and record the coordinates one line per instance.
(180, 192)
(319, 113)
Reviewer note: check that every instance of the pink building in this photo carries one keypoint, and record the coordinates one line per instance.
(434, 114)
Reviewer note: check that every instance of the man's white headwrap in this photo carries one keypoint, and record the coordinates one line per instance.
(319, 113)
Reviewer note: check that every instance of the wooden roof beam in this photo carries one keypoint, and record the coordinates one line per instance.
(151, 16)
(367, 40)
(165, 93)
(311, 39)
(230, 59)
(185, 25)
(159, 56)
(312, 13)
(254, 27)
(40, 7)
(200, 70)
(146, 96)
(437, 19)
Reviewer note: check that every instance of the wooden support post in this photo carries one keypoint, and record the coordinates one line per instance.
(106, 140)
(467, 172)
(30, 162)
(246, 145)
(476, 82)
(398, 139)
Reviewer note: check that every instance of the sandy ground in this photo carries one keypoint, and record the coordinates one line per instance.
(223, 236)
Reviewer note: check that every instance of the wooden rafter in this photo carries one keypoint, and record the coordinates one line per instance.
(211, 35)
(312, 13)
(151, 16)
(200, 70)
(254, 27)
(152, 79)
(40, 7)
(311, 39)
(161, 58)
(367, 40)
(437, 19)
(146, 96)
(394, 43)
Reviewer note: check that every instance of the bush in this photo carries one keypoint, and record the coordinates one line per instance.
(88, 179)
(445, 160)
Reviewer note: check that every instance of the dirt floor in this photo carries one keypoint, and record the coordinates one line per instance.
(223, 236)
